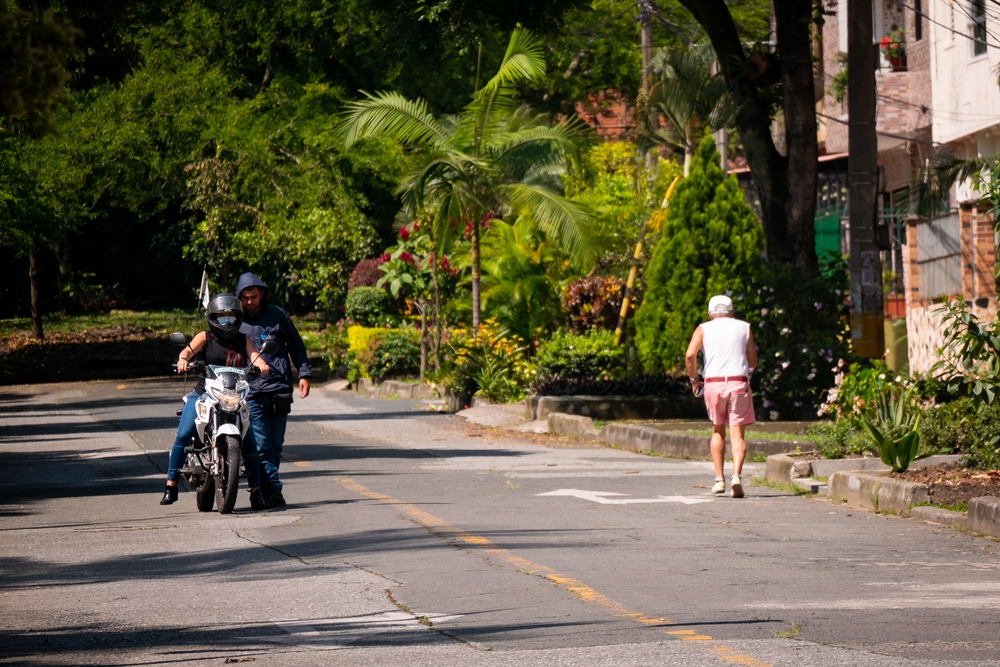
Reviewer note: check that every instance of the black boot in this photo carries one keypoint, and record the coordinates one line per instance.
(169, 496)
(257, 501)
(273, 498)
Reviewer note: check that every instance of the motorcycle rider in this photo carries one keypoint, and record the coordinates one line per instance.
(270, 398)
(223, 345)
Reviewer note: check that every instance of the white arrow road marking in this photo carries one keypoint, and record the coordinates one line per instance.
(603, 498)
(333, 633)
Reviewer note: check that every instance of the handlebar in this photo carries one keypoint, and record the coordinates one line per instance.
(191, 365)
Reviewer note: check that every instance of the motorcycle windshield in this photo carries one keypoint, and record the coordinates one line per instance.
(228, 375)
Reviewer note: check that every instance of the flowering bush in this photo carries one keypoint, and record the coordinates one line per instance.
(800, 326)
(390, 353)
(894, 44)
(593, 355)
(492, 364)
(333, 342)
(594, 302)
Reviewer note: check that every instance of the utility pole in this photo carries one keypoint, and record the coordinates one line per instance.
(646, 12)
(867, 333)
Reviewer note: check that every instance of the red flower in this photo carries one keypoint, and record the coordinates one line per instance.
(407, 257)
(416, 225)
(385, 258)
(445, 264)
(468, 231)
(404, 233)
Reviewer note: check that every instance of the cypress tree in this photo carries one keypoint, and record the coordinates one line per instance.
(712, 242)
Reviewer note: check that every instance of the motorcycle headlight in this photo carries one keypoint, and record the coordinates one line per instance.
(229, 400)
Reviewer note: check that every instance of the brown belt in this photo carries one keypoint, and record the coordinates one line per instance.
(729, 378)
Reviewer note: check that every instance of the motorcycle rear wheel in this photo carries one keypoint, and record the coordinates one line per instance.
(229, 478)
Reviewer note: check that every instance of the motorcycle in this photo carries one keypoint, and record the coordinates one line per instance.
(214, 462)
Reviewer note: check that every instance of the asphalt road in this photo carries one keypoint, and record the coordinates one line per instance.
(412, 538)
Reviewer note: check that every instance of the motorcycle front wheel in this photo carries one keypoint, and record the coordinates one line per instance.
(229, 478)
(206, 494)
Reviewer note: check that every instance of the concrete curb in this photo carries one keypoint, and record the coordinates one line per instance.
(648, 439)
(984, 516)
(611, 408)
(882, 494)
(400, 389)
(939, 516)
(784, 468)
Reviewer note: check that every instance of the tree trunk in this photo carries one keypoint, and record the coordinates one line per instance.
(436, 347)
(36, 307)
(786, 186)
(794, 34)
(422, 307)
(474, 257)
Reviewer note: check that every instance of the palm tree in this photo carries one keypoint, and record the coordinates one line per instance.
(495, 159)
(688, 95)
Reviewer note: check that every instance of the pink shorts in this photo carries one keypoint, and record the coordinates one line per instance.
(729, 403)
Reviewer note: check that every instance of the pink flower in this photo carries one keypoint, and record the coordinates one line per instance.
(385, 258)
(445, 264)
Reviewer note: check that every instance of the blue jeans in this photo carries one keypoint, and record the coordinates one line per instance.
(187, 430)
(269, 431)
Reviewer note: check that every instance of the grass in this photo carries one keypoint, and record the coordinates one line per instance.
(756, 457)
(781, 486)
(598, 424)
(163, 321)
(791, 632)
(960, 506)
(763, 436)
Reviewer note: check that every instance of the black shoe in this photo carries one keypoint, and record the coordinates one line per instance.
(273, 498)
(169, 496)
(257, 501)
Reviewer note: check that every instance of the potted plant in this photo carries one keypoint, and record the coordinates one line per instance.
(894, 47)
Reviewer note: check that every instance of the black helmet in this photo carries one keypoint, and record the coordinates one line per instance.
(225, 315)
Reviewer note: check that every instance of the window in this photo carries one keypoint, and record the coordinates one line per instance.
(939, 256)
(978, 16)
(918, 20)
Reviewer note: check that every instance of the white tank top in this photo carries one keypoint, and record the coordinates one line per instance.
(724, 344)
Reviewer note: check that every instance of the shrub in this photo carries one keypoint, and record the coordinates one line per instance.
(365, 274)
(333, 343)
(390, 353)
(645, 384)
(591, 356)
(711, 241)
(840, 438)
(369, 306)
(594, 302)
(492, 364)
(800, 327)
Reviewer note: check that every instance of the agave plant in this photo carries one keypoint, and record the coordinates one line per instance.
(497, 158)
(894, 428)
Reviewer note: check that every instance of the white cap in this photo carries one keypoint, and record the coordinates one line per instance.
(720, 305)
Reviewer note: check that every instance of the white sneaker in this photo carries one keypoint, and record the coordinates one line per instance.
(737, 487)
(720, 487)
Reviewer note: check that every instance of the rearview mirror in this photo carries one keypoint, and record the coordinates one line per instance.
(177, 338)
(269, 347)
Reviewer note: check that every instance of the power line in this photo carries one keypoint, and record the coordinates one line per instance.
(948, 28)
(884, 134)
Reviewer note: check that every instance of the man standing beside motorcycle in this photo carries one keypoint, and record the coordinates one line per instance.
(270, 398)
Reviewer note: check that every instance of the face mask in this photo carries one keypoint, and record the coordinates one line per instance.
(226, 320)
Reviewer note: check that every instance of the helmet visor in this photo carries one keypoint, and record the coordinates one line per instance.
(226, 320)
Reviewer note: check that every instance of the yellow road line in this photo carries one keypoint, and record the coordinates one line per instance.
(457, 535)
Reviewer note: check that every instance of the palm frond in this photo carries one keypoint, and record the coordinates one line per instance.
(562, 220)
(389, 115)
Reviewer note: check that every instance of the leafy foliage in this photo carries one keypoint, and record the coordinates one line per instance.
(369, 307)
(491, 363)
(894, 428)
(592, 355)
(643, 384)
(594, 302)
(711, 242)
(970, 357)
(390, 353)
(366, 273)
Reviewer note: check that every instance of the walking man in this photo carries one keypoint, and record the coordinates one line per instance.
(270, 398)
(729, 355)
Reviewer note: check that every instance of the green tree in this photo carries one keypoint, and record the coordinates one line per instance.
(498, 158)
(711, 239)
